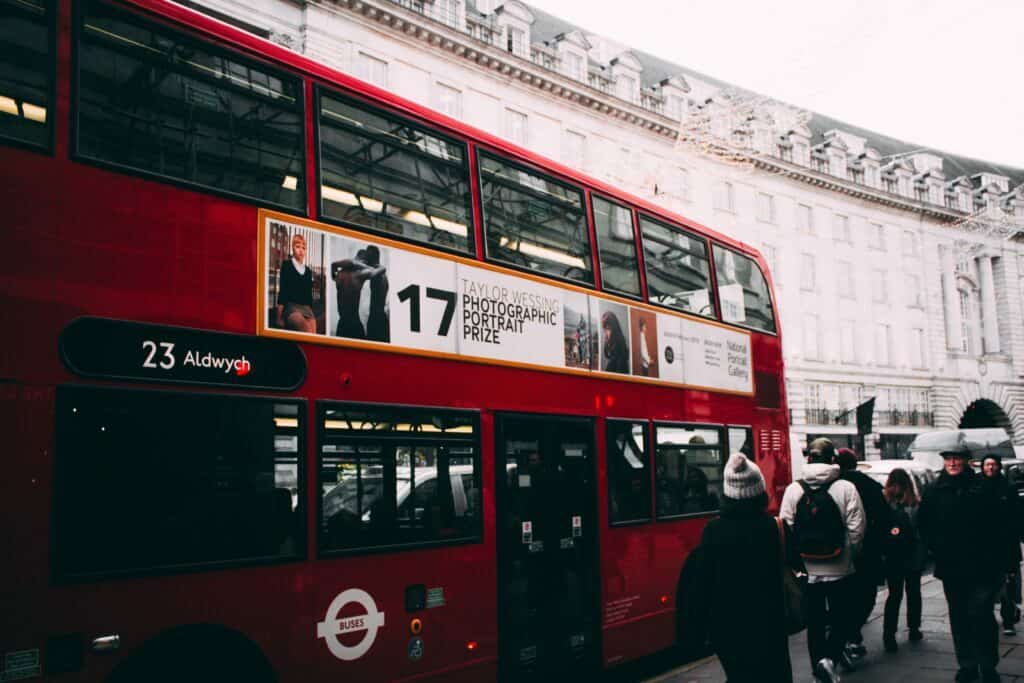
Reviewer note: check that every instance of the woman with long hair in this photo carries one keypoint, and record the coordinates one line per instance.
(616, 351)
(905, 557)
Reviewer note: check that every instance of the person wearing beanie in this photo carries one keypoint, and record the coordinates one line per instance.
(739, 574)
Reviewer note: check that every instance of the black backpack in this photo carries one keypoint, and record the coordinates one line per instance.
(818, 525)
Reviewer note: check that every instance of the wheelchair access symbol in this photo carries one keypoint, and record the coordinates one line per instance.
(331, 627)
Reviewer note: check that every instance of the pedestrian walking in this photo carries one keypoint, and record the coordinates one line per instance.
(740, 581)
(869, 568)
(959, 522)
(905, 558)
(827, 518)
(1009, 521)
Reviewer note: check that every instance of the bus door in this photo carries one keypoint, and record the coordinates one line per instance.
(548, 591)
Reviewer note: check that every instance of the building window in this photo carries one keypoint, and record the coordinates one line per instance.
(372, 70)
(841, 228)
(966, 324)
(877, 236)
(844, 279)
(917, 349)
(771, 256)
(516, 127)
(812, 346)
(913, 290)
(724, 196)
(966, 202)
(879, 286)
(674, 107)
(447, 12)
(848, 341)
(765, 208)
(807, 274)
(857, 175)
(516, 41)
(574, 149)
(683, 192)
(627, 87)
(448, 100)
(909, 243)
(883, 344)
(574, 65)
(889, 184)
(871, 175)
(800, 151)
(804, 219)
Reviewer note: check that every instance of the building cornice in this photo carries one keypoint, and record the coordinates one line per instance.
(419, 26)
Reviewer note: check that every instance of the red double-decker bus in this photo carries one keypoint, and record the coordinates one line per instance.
(303, 381)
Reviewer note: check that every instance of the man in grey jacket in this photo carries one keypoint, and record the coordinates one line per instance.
(830, 589)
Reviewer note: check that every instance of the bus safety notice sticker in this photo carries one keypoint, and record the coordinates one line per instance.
(374, 290)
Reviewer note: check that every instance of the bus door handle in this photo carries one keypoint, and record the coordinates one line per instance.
(106, 643)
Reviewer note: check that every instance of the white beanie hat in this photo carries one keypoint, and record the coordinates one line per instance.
(743, 478)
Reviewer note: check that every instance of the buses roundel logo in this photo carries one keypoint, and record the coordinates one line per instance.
(368, 623)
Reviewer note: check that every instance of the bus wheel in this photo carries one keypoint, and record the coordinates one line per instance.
(200, 653)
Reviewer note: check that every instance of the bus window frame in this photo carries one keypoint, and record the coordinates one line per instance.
(49, 147)
(599, 272)
(530, 167)
(320, 87)
(692, 234)
(63, 578)
(767, 284)
(321, 552)
(649, 454)
(722, 447)
(215, 43)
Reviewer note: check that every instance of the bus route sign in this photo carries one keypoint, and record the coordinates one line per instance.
(122, 349)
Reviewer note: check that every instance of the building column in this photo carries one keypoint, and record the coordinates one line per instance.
(990, 323)
(950, 299)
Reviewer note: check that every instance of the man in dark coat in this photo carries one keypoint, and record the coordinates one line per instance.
(869, 566)
(959, 520)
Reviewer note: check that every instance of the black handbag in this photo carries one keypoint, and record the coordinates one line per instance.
(792, 589)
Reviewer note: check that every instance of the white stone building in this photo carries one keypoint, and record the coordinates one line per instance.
(884, 286)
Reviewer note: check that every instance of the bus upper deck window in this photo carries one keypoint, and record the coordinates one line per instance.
(743, 295)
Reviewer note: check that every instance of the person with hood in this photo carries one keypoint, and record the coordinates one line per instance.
(868, 564)
(827, 518)
(1006, 495)
(959, 521)
(745, 548)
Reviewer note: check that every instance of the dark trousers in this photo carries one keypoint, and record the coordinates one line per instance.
(975, 632)
(865, 591)
(1009, 598)
(830, 617)
(899, 582)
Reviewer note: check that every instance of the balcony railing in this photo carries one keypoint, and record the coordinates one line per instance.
(904, 418)
(828, 416)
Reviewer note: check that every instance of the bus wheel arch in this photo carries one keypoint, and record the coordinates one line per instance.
(196, 653)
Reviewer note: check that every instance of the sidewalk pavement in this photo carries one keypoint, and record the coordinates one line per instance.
(924, 662)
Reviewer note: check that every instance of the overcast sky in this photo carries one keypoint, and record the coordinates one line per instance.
(947, 74)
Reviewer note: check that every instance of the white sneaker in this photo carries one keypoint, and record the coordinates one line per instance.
(825, 671)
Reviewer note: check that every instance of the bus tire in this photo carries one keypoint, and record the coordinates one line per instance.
(198, 653)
